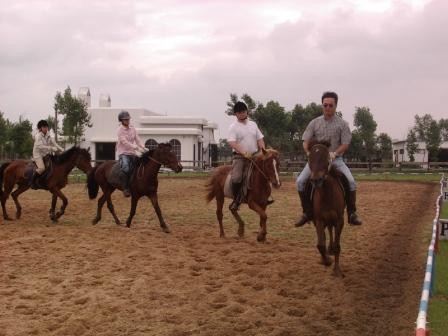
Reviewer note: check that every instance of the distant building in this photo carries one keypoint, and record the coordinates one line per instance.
(401, 154)
(192, 138)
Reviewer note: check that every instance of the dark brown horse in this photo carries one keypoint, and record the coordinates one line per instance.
(265, 173)
(328, 204)
(144, 182)
(12, 173)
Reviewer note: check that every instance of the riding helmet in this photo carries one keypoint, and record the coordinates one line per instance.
(42, 123)
(124, 115)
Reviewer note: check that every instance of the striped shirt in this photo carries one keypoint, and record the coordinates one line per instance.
(334, 130)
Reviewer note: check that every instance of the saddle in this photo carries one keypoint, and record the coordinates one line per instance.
(116, 176)
(42, 180)
(245, 187)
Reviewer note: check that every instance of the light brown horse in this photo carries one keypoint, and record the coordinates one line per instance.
(144, 182)
(265, 174)
(328, 204)
(12, 173)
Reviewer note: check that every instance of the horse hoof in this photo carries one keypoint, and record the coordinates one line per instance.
(95, 221)
(241, 233)
(338, 274)
(8, 219)
(261, 237)
(326, 262)
(166, 229)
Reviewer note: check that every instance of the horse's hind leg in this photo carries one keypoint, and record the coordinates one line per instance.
(15, 197)
(337, 249)
(219, 215)
(134, 202)
(240, 222)
(331, 242)
(320, 229)
(101, 202)
(110, 206)
(155, 204)
(52, 211)
(4, 197)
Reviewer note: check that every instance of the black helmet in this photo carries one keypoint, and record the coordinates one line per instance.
(239, 107)
(42, 123)
(123, 115)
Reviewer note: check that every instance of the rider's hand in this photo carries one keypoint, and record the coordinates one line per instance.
(332, 155)
(144, 149)
(135, 147)
(138, 153)
(55, 149)
(247, 155)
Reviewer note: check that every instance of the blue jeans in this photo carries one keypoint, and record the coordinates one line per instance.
(125, 163)
(338, 163)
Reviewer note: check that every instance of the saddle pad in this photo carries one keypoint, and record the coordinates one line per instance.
(113, 177)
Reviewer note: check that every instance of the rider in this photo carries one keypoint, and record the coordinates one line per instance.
(332, 128)
(129, 147)
(245, 138)
(44, 144)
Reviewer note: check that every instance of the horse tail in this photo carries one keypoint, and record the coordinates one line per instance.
(92, 184)
(2, 169)
(210, 186)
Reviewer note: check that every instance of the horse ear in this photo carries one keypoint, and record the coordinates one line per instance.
(264, 151)
(88, 149)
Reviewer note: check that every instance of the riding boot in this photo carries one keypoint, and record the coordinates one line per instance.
(353, 218)
(236, 190)
(307, 215)
(35, 181)
(125, 180)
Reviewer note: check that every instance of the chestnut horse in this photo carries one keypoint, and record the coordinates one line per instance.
(12, 173)
(144, 182)
(328, 204)
(265, 172)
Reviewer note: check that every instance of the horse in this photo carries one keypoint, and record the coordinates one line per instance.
(328, 204)
(12, 173)
(143, 183)
(265, 173)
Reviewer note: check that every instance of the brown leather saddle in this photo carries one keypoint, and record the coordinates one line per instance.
(116, 177)
(42, 180)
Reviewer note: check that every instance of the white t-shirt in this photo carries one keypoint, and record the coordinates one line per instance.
(245, 134)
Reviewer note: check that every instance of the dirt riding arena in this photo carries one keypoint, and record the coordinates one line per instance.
(72, 278)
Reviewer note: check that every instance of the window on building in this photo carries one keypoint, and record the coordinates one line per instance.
(401, 151)
(104, 151)
(151, 144)
(175, 144)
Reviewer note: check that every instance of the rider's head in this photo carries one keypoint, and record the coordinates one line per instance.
(124, 118)
(329, 103)
(42, 126)
(240, 110)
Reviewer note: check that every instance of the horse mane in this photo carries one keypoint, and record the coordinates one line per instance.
(260, 156)
(64, 156)
(144, 159)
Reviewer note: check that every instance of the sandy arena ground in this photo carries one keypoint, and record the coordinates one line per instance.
(72, 278)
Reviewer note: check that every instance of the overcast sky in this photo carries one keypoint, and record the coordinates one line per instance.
(185, 57)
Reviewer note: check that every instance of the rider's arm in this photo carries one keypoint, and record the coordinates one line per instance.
(236, 147)
(137, 140)
(260, 143)
(39, 144)
(341, 150)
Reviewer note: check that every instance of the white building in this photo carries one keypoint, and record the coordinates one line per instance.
(192, 138)
(401, 154)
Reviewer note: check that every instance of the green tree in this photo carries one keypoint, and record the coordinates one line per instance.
(20, 139)
(224, 149)
(384, 144)
(76, 117)
(443, 125)
(273, 121)
(411, 144)
(429, 131)
(366, 126)
(355, 151)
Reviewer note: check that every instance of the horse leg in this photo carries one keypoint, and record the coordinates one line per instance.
(101, 202)
(337, 248)
(155, 204)
(134, 202)
(219, 206)
(110, 206)
(58, 193)
(54, 200)
(263, 218)
(6, 192)
(331, 242)
(240, 222)
(15, 197)
(320, 229)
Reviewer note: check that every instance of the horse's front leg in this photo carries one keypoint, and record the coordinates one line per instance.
(331, 242)
(320, 229)
(240, 222)
(134, 202)
(219, 215)
(263, 218)
(337, 248)
(4, 197)
(155, 204)
(58, 193)
(52, 211)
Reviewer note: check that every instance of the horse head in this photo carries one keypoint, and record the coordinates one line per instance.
(269, 162)
(319, 162)
(167, 157)
(84, 159)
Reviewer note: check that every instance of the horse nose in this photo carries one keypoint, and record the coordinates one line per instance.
(179, 168)
(317, 182)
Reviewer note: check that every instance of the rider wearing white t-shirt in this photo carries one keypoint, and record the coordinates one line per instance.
(245, 138)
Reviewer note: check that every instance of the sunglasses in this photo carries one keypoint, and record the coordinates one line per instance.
(328, 105)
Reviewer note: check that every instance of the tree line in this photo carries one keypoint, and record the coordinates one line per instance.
(16, 138)
(283, 129)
